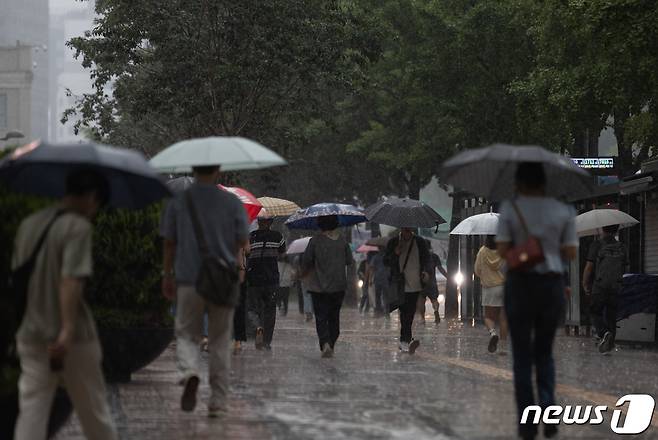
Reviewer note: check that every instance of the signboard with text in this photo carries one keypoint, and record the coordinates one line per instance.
(596, 165)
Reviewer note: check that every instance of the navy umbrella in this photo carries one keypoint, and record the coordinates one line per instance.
(490, 171)
(404, 213)
(41, 169)
(307, 218)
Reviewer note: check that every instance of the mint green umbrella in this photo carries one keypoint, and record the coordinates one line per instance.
(231, 153)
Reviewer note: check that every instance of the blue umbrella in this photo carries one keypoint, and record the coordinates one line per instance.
(41, 169)
(307, 218)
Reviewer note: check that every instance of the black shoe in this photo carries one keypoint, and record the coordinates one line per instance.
(413, 345)
(493, 343)
(550, 431)
(606, 343)
(188, 400)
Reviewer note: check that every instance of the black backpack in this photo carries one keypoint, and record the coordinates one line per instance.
(610, 266)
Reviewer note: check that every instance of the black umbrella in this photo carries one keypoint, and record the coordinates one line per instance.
(42, 169)
(404, 213)
(490, 171)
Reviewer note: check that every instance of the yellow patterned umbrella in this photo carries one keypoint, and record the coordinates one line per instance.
(278, 207)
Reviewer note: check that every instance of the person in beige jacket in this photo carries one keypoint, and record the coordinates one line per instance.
(488, 264)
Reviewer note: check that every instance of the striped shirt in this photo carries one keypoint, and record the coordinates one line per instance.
(265, 248)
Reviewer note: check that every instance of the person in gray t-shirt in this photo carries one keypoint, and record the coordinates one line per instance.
(224, 224)
(534, 299)
(323, 265)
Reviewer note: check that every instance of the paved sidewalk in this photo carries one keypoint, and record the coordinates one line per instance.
(451, 389)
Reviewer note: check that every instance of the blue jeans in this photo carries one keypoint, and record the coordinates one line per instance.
(534, 304)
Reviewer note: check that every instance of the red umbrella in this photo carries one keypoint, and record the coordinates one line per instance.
(249, 201)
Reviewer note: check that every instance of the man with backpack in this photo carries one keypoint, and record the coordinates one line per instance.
(607, 261)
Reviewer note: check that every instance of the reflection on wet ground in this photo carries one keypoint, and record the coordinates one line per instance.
(450, 389)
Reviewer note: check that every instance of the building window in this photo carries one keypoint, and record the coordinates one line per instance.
(3, 110)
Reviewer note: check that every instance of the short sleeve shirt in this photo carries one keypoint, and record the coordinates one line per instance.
(223, 221)
(548, 219)
(327, 259)
(66, 252)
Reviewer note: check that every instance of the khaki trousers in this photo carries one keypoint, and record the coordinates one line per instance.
(189, 326)
(83, 379)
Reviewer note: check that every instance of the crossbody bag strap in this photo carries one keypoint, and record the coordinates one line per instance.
(43, 236)
(196, 224)
(524, 225)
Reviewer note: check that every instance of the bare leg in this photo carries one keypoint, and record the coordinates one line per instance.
(420, 307)
(490, 317)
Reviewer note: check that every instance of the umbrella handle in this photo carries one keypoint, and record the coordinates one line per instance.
(436, 229)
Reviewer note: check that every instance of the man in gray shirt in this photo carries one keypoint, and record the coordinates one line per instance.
(57, 340)
(224, 224)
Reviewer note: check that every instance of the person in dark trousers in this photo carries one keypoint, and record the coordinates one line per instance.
(431, 290)
(324, 265)
(607, 260)
(265, 246)
(534, 298)
(409, 254)
(381, 274)
(240, 316)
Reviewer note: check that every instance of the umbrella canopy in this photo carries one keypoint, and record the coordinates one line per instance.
(378, 241)
(278, 207)
(489, 172)
(180, 184)
(480, 224)
(404, 213)
(365, 248)
(231, 153)
(590, 222)
(307, 218)
(41, 169)
(249, 201)
(298, 246)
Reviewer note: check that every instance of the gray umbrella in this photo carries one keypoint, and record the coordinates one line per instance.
(489, 172)
(404, 213)
(42, 169)
(180, 184)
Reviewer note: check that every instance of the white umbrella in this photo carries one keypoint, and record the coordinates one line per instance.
(590, 222)
(480, 224)
(231, 153)
(298, 246)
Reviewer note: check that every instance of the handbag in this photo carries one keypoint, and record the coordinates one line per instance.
(528, 254)
(395, 290)
(217, 281)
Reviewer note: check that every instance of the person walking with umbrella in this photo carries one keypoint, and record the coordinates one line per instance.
(607, 261)
(536, 236)
(324, 266)
(488, 265)
(266, 246)
(190, 239)
(408, 255)
(57, 338)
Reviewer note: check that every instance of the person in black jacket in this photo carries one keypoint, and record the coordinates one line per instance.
(409, 254)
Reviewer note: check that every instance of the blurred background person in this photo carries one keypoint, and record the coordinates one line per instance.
(488, 264)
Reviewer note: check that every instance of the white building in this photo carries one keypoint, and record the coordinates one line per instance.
(24, 67)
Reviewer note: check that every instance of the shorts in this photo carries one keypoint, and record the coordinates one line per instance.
(493, 296)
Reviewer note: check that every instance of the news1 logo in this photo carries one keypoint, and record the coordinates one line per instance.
(637, 420)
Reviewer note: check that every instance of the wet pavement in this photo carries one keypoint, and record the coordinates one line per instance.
(450, 389)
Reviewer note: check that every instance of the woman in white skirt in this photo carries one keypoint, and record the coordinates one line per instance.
(488, 268)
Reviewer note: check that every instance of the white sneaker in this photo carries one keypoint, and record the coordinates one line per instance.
(404, 347)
